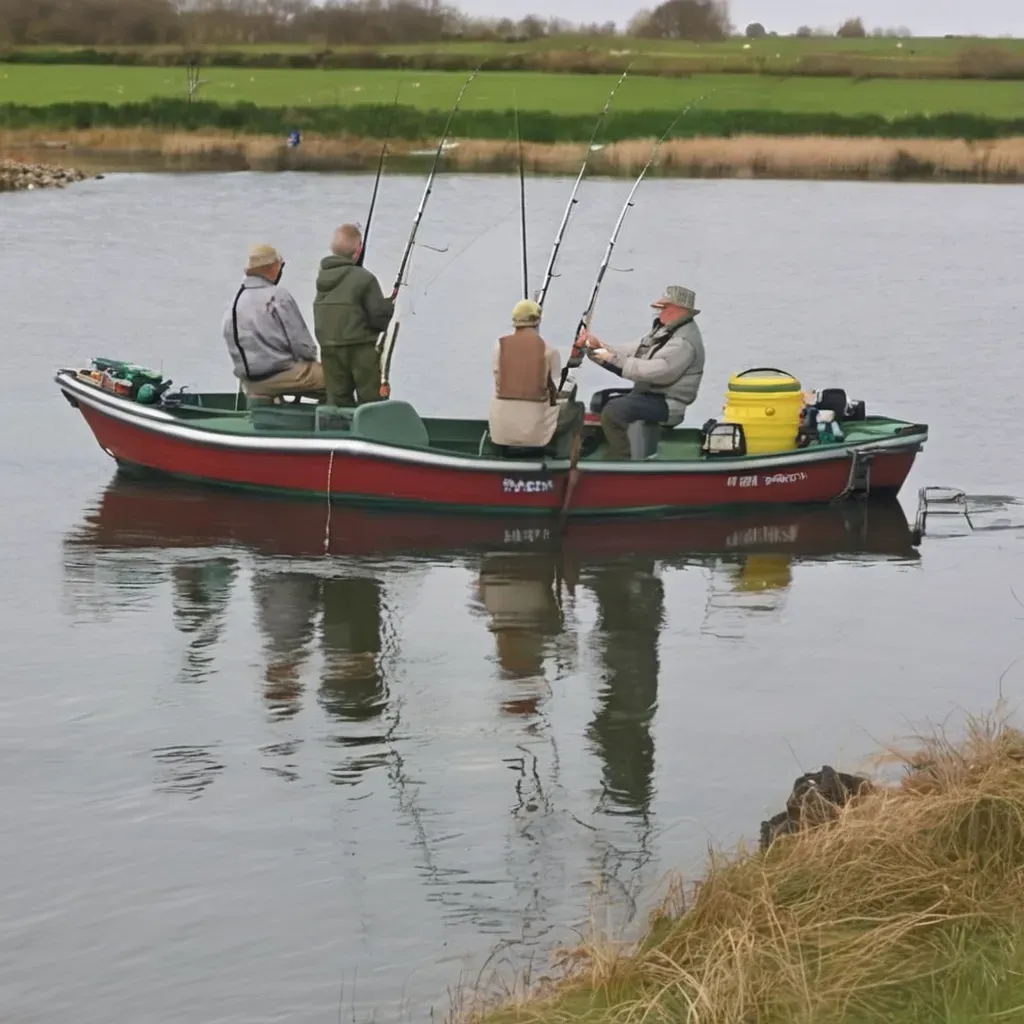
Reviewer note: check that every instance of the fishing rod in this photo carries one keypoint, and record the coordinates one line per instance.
(576, 354)
(376, 181)
(386, 341)
(522, 207)
(549, 273)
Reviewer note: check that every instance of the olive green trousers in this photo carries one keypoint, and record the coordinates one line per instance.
(351, 374)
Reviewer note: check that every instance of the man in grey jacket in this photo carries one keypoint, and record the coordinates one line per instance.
(666, 364)
(270, 345)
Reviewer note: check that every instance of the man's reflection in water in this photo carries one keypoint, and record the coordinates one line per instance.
(630, 614)
(200, 593)
(287, 604)
(517, 590)
(353, 689)
(518, 593)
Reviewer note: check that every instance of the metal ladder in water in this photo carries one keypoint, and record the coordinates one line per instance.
(939, 501)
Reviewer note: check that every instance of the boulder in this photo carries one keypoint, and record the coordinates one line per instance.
(815, 800)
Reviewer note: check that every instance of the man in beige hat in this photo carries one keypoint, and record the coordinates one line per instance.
(270, 345)
(526, 412)
(666, 365)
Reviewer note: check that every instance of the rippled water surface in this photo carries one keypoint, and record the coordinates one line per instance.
(241, 781)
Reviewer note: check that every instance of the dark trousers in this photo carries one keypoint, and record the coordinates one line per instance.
(617, 415)
(351, 374)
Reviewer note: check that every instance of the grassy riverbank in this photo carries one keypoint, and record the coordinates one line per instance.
(114, 117)
(748, 156)
(908, 908)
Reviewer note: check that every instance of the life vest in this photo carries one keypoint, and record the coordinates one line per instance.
(523, 368)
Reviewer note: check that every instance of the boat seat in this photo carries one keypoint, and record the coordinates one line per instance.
(390, 422)
(334, 419)
(511, 451)
(644, 436)
(270, 415)
(560, 448)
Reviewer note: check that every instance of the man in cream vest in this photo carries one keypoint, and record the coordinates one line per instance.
(525, 411)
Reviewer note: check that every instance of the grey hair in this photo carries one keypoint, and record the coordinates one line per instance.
(346, 240)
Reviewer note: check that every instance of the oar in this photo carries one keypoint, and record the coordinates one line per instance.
(572, 479)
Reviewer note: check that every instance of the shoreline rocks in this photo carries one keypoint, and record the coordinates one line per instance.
(16, 176)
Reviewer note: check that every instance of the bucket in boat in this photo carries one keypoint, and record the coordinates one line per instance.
(768, 404)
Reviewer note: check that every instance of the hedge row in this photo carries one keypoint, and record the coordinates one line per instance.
(536, 126)
(978, 62)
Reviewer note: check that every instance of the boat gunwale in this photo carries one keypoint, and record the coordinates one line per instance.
(913, 436)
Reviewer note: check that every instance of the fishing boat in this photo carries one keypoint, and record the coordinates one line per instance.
(764, 452)
(385, 454)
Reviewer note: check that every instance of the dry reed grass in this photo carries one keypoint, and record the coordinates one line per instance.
(740, 156)
(911, 899)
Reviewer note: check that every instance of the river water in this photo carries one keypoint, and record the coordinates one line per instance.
(244, 782)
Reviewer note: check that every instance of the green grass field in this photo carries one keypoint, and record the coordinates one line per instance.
(786, 47)
(856, 58)
(561, 94)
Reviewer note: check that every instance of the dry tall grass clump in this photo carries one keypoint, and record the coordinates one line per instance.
(748, 156)
(909, 906)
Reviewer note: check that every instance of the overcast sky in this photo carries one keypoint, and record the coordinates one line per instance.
(922, 17)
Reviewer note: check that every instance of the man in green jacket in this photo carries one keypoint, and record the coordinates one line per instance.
(349, 313)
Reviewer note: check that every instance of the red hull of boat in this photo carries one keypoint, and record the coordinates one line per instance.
(373, 474)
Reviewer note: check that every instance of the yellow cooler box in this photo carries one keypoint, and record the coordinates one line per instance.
(768, 403)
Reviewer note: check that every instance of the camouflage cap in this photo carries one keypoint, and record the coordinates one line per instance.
(677, 295)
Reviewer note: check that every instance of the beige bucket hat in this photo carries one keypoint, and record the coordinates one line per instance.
(263, 256)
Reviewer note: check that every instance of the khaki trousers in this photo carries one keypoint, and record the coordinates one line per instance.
(300, 379)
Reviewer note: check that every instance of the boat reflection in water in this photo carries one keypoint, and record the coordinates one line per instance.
(590, 604)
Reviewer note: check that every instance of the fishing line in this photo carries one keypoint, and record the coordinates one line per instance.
(549, 272)
(388, 338)
(501, 220)
(327, 525)
(522, 199)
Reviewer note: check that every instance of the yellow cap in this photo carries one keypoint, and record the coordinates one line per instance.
(526, 313)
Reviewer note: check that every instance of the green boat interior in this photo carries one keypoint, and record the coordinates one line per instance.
(397, 423)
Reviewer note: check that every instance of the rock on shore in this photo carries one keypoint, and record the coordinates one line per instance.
(15, 175)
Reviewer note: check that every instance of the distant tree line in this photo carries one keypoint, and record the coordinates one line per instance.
(255, 22)
(347, 22)
(853, 28)
(213, 23)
